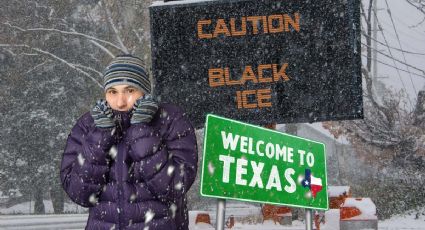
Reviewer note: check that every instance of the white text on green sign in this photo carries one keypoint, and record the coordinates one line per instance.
(251, 163)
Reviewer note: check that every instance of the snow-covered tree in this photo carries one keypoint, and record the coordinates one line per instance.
(52, 56)
(390, 139)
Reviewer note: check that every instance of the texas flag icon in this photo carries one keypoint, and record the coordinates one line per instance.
(313, 183)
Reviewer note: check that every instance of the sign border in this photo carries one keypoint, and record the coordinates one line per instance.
(357, 112)
(259, 201)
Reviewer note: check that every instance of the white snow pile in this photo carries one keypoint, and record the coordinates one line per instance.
(410, 220)
(365, 205)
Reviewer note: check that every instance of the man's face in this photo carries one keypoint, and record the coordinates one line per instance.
(122, 97)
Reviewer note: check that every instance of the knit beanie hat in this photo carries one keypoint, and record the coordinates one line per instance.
(129, 70)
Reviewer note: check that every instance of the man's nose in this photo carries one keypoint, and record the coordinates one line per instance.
(122, 101)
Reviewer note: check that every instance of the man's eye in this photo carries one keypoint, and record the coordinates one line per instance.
(112, 92)
(131, 90)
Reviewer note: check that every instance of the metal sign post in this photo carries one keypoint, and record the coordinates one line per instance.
(308, 219)
(221, 208)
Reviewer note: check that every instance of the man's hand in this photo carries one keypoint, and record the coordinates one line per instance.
(144, 109)
(102, 115)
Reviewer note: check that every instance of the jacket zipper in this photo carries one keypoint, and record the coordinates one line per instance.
(119, 120)
(119, 171)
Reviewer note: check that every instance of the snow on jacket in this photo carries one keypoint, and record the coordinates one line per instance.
(133, 176)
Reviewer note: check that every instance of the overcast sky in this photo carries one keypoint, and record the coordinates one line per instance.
(412, 38)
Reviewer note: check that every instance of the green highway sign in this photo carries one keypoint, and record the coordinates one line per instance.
(250, 163)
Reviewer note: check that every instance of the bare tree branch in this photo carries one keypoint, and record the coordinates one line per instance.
(74, 33)
(29, 54)
(69, 64)
(421, 9)
(369, 88)
(89, 68)
(417, 24)
(37, 66)
(103, 48)
(117, 34)
(138, 36)
(389, 115)
(73, 66)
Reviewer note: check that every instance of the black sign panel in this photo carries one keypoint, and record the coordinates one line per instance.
(259, 61)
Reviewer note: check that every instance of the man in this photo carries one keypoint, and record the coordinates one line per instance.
(130, 160)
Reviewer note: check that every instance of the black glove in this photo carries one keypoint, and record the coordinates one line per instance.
(102, 115)
(143, 109)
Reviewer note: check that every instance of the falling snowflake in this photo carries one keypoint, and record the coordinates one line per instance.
(170, 170)
(113, 152)
(308, 195)
(158, 166)
(164, 114)
(93, 199)
(173, 209)
(80, 159)
(132, 197)
(178, 186)
(211, 168)
(149, 216)
(300, 179)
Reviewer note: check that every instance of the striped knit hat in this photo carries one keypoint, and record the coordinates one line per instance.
(129, 70)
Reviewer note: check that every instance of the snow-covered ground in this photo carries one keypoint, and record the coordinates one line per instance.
(406, 221)
(24, 208)
(409, 221)
(399, 222)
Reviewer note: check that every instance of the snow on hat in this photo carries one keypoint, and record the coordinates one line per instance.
(129, 70)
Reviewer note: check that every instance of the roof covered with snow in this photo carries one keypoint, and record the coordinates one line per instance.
(336, 191)
(365, 205)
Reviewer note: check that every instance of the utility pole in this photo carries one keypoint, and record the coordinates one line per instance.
(375, 50)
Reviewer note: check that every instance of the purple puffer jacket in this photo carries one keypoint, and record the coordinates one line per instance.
(134, 178)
